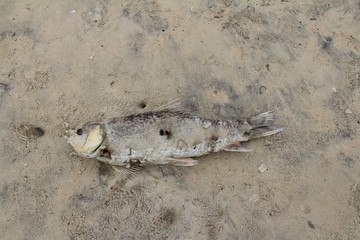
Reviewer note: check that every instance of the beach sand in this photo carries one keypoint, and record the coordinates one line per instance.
(78, 61)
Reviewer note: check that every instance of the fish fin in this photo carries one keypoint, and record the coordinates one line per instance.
(236, 147)
(170, 105)
(264, 131)
(262, 120)
(126, 171)
(183, 162)
(262, 125)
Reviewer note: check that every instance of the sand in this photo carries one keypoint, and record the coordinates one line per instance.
(78, 61)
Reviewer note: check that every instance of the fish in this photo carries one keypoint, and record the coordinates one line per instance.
(166, 137)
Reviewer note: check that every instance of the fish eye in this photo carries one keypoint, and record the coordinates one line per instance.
(79, 132)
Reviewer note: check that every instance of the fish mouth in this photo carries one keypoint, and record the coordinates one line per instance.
(68, 134)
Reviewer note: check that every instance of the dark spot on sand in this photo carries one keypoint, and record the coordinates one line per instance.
(4, 87)
(126, 12)
(103, 169)
(326, 45)
(142, 104)
(348, 161)
(29, 131)
(267, 67)
(162, 132)
(38, 132)
(213, 229)
(311, 225)
(167, 217)
(149, 20)
(85, 197)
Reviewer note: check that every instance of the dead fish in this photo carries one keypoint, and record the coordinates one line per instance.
(166, 137)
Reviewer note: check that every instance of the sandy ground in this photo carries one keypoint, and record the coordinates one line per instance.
(71, 61)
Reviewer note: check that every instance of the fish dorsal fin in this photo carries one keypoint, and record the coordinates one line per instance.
(176, 105)
(170, 106)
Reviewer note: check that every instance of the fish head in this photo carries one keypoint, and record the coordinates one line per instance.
(86, 138)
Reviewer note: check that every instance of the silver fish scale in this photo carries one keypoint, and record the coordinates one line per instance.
(154, 136)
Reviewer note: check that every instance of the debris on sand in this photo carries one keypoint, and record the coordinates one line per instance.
(262, 168)
(348, 111)
(254, 198)
(27, 131)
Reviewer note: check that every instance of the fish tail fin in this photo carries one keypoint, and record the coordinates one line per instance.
(262, 125)
(262, 120)
(264, 131)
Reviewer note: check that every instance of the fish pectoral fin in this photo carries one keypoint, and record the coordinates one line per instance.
(124, 170)
(183, 162)
(236, 147)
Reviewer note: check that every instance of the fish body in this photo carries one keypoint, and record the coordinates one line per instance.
(166, 137)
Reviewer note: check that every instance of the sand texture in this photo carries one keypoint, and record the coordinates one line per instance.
(78, 61)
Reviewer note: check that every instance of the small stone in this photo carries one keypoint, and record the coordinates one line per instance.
(334, 89)
(262, 168)
(91, 57)
(311, 225)
(348, 111)
(73, 11)
(254, 198)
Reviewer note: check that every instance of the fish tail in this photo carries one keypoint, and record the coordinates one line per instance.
(262, 120)
(262, 125)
